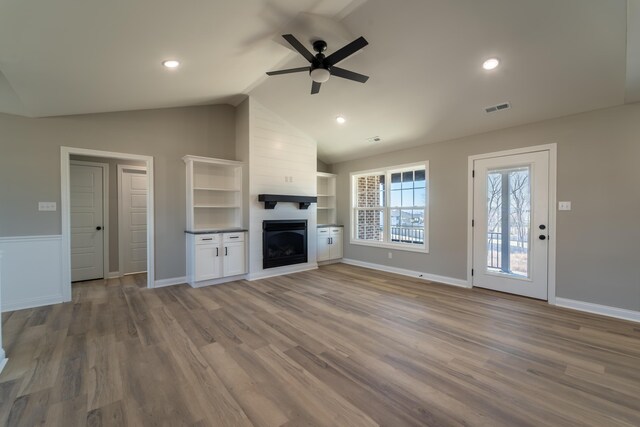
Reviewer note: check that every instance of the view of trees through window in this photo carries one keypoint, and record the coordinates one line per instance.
(508, 220)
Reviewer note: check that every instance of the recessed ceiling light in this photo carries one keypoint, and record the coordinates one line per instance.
(171, 63)
(491, 63)
(341, 119)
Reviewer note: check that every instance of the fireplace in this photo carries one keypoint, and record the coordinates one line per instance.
(284, 242)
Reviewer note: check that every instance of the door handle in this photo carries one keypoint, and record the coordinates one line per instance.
(225, 251)
(542, 237)
(542, 226)
(216, 251)
(98, 228)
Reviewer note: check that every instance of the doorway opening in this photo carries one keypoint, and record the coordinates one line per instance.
(512, 221)
(78, 234)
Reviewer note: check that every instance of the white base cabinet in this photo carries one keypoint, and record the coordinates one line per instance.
(329, 243)
(215, 256)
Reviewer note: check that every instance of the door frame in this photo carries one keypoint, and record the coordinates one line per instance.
(553, 170)
(121, 168)
(65, 159)
(105, 210)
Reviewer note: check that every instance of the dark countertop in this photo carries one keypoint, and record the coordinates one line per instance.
(230, 230)
(330, 225)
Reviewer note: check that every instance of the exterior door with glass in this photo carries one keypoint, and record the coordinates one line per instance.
(510, 224)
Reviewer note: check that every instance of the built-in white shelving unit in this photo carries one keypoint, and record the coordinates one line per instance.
(326, 193)
(214, 194)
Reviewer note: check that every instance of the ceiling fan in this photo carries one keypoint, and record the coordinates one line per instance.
(322, 67)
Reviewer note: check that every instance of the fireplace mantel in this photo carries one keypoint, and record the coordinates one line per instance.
(271, 200)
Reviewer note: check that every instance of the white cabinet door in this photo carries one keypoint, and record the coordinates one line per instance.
(336, 242)
(234, 262)
(324, 249)
(207, 262)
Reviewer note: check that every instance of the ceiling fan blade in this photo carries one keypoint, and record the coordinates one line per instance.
(315, 87)
(287, 71)
(299, 47)
(346, 51)
(346, 74)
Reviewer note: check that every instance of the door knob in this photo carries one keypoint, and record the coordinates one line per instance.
(542, 227)
(98, 228)
(542, 237)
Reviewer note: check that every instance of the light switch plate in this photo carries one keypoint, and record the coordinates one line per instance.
(564, 206)
(47, 206)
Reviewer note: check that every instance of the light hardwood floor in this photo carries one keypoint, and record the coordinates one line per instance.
(340, 346)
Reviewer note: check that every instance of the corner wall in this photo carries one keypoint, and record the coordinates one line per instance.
(597, 241)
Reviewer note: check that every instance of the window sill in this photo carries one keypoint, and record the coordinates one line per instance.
(396, 246)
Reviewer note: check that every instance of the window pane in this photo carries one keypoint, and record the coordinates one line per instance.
(407, 179)
(418, 217)
(420, 178)
(395, 217)
(419, 196)
(407, 198)
(396, 198)
(369, 225)
(508, 217)
(370, 191)
(396, 179)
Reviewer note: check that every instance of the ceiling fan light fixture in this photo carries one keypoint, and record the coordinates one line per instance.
(171, 63)
(320, 75)
(491, 64)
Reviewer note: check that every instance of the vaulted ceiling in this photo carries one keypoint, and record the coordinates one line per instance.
(558, 57)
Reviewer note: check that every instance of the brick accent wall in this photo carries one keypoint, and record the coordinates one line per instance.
(368, 195)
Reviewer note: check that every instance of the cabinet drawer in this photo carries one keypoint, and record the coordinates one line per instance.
(336, 230)
(323, 231)
(233, 237)
(207, 239)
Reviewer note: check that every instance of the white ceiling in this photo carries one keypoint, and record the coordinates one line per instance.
(559, 57)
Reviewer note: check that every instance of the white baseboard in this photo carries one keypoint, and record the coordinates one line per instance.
(22, 304)
(218, 281)
(169, 282)
(113, 275)
(328, 262)
(280, 271)
(415, 274)
(604, 310)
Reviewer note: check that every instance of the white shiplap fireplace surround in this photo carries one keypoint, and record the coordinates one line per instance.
(279, 159)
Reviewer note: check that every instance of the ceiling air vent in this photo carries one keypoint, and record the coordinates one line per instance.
(374, 139)
(499, 107)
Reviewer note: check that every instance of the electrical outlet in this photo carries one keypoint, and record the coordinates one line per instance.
(390, 254)
(47, 206)
(564, 206)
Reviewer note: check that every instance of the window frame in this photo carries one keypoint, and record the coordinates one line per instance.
(386, 208)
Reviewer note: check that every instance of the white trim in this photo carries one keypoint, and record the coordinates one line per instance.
(329, 262)
(281, 271)
(326, 175)
(553, 171)
(415, 274)
(113, 275)
(604, 310)
(218, 281)
(3, 356)
(16, 239)
(65, 158)
(120, 169)
(170, 282)
(32, 302)
(106, 225)
(3, 360)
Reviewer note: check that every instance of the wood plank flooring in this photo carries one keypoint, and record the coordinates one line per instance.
(339, 346)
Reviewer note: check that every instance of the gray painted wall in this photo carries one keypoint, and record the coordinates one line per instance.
(30, 158)
(597, 242)
(323, 167)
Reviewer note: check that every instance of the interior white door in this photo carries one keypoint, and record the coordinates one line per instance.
(511, 220)
(133, 220)
(87, 228)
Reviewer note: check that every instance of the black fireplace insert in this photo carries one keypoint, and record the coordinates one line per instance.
(284, 242)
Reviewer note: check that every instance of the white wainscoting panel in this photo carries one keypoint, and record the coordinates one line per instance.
(32, 271)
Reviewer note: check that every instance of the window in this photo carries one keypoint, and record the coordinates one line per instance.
(389, 207)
